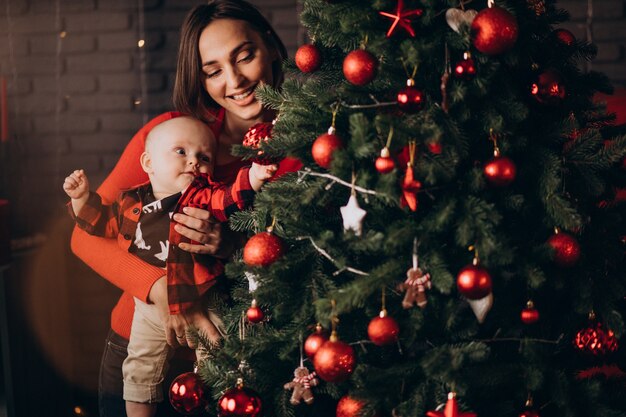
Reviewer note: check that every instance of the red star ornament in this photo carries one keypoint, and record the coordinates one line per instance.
(410, 188)
(401, 18)
(451, 409)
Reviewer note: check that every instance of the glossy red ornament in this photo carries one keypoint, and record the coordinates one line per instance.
(564, 36)
(239, 402)
(451, 409)
(566, 249)
(494, 31)
(308, 58)
(383, 330)
(263, 249)
(385, 163)
(529, 314)
(315, 341)
(548, 88)
(254, 313)
(401, 18)
(334, 361)
(349, 407)
(324, 147)
(255, 136)
(188, 394)
(359, 67)
(410, 99)
(466, 68)
(595, 339)
(500, 171)
(473, 282)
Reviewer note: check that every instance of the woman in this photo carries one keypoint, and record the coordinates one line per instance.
(227, 49)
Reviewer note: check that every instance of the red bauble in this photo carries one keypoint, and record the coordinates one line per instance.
(260, 132)
(308, 58)
(410, 99)
(383, 330)
(254, 313)
(596, 340)
(315, 341)
(188, 394)
(384, 163)
(239, 402)
(334, 361)
(564, 36)
(359, 67)
(263, 249)
(548, 88)
(349, 407)
(500, 171)
(494, 31)
(530, 314)
(566, 249)
(465, 68)
(474, 282)
(324, 147)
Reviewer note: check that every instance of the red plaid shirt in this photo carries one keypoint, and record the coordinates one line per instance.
(188, 275)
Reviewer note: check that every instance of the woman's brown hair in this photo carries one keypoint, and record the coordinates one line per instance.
(190, 95)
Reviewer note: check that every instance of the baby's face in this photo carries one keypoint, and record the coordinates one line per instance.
(176, 151)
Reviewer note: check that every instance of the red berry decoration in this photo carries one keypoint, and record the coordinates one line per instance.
(410, 99)
(263, 249)
(308, 58)
(255, 136)
(334, 361)
(474, 282)
(359, 67)
(548, 88)
(384, 163)
(324, 147)
(254, 313)
(566, 249)
(239, 402)
(595, 339)
(315, 341)
(383, 330)
(466, 68)
(530, 314)
(500, 171)
(564, 36)
(188, 394)
(494, 31)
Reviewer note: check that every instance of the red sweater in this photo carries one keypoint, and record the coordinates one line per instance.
(125, 270)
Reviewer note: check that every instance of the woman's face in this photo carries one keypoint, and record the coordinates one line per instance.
(235, 60)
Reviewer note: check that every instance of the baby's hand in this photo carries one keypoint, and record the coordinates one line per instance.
(263, 172)
(76, 185)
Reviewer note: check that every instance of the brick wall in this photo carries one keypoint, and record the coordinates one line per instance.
(79, 87)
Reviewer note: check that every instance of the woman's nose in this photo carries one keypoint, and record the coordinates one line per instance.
(234, 77)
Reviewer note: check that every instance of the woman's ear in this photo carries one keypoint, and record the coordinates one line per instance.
(146, 162)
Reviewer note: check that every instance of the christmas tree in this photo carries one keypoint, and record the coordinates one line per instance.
(451, 245)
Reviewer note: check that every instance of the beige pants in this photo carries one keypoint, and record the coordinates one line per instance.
(149, 354)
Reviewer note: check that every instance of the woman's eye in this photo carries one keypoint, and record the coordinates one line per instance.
(212, 74)
(246, 57)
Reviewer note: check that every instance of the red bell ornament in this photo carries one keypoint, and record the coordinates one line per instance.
(239, 402)
(263, 249)
(548, 88)
(359, 67)
(474, 282)
(564, 36)
(494, 31)
(315, 341)
(335, 360)
(410, 99)
(384, 163)
(255, 136)
(324, 147)
(529, 314)
(383, 330)
(308, 58)
(188, 394)
(254, 313)
(566, 249)
(500, 171)
(465, 69)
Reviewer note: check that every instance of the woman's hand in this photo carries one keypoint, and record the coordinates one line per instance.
(196, 224)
